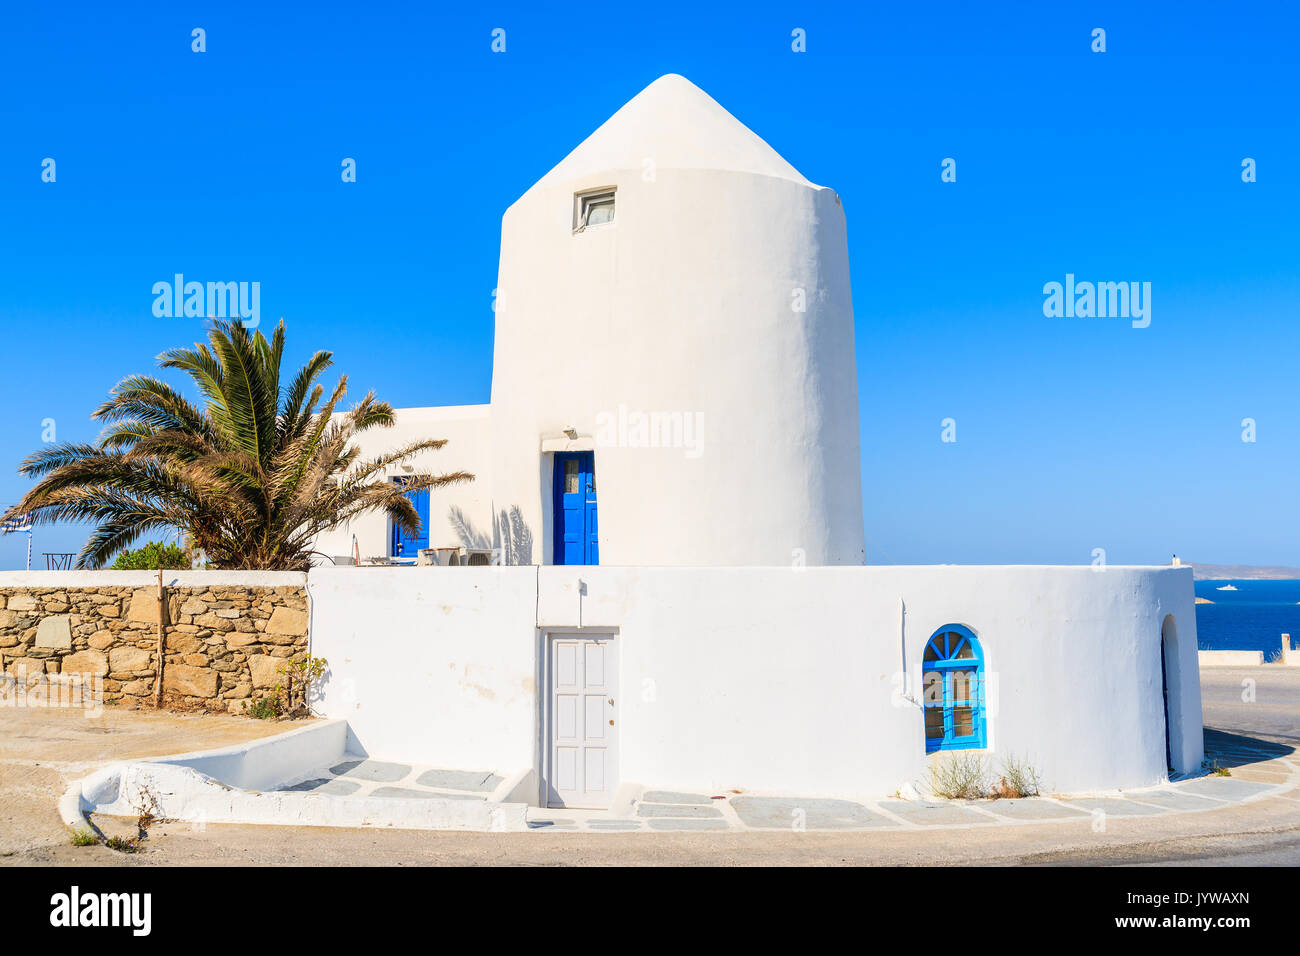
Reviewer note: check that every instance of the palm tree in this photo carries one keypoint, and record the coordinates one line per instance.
(251, 477)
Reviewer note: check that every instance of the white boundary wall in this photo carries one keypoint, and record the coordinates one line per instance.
(765, 678)
(233, 785)
(1231, 658)
(430, 661)
(145, 579)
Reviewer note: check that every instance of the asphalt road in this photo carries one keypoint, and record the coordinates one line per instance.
(1258, 702)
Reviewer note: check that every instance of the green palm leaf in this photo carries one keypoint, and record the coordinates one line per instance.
(251, 475)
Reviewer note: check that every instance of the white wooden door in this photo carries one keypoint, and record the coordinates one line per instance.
(582, 770)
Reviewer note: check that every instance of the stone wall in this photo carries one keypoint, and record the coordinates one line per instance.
(225, 638)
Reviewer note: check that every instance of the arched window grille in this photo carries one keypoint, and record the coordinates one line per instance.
(953, 679)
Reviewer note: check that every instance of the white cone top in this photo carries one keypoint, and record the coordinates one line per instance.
(676, 125)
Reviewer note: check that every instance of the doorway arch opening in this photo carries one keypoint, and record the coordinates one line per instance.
(1171, 692)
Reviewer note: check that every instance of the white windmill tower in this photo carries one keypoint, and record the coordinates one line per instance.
(674, 300)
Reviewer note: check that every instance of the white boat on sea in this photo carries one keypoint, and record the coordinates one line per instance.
(1226, 587)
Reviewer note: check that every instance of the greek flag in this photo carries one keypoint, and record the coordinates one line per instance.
(16, 524)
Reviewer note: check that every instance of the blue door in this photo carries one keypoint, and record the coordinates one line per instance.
(575, 508)
(408, 545)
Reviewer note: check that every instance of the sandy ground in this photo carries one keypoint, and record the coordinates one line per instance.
(43, 751)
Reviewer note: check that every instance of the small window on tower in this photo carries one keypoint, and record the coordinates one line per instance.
(593, 209)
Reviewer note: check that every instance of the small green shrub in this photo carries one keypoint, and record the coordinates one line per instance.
(264, 708)
(84, 836)
(301, 675)
(959, 775)
(122, 845)
(1221, 771)
(152, 556)
(1019, 778)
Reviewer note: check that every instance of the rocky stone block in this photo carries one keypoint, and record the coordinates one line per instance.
(129, 659)
(287, 621)
(264, 670)
(86, 662)
(55, 633)
(189, 681)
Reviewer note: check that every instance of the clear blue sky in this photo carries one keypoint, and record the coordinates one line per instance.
(1073, 434)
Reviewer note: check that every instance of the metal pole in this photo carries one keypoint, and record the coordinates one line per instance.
(29, 549)
(162, 645)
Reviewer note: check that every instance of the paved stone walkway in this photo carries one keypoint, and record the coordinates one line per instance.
(363, 777)
(1257, 769)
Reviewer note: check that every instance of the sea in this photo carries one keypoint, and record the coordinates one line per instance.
(1251, 618)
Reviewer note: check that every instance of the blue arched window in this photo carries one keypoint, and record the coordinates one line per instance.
(953, 682)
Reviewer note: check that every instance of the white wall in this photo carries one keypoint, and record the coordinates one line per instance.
(458, 514)
(766, 679)
(270, 761)
(435, 665)
(684, 304)
(684, 307)
(144, 579)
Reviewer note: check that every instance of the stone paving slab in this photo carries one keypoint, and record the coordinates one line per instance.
(1113, 806)
(377, 771)
(672, 796)
(1031, 809)
(1259, 776)
(666, 810)
(755, 812)
(1236, 762)
(359, 777)
(1224, 788)
(478, 781)
(933, 814)
(1243, 758)
(330, 785)
(1176, 800)
(689, 825)
(406, 793)
(675, 810)
(818, 813)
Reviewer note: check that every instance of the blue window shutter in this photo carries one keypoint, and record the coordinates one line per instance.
(954, 661)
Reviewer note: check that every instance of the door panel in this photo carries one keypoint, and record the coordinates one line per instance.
(567, 764)
(575, 509)
(404, 545)
(582, 734)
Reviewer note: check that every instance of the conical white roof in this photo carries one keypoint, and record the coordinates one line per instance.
(677, 125)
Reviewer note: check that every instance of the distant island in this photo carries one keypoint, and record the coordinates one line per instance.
(1241, 572)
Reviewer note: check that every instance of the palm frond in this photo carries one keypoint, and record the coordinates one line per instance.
(251, 475)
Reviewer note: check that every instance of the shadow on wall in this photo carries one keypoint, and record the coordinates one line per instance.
(510, 534)
(464, 529)
(516, 540)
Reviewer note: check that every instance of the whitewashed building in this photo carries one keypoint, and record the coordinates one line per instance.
(674, 380)
(669, 473)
